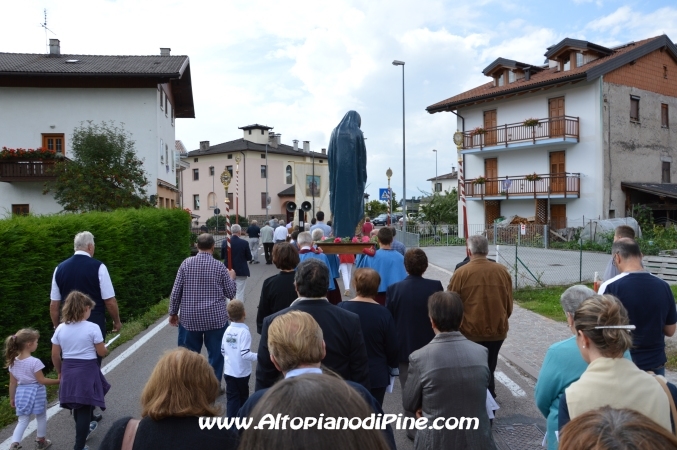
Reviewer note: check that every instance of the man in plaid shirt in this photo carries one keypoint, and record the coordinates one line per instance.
(201, 292)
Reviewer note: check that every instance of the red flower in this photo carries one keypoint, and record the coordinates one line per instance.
(337, 240)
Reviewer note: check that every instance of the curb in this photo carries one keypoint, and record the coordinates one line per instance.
(523, 366)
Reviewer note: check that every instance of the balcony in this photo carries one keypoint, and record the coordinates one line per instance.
(552, 185)
(549, 131)
(30, 170)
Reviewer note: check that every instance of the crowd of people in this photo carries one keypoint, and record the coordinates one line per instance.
(323, 356)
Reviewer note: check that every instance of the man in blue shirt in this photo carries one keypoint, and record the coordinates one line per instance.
(326, 229)
(650, 305)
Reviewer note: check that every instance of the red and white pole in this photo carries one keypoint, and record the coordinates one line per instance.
(461, 180)
(228, 233)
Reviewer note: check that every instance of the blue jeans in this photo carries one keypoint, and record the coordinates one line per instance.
(212, 341)
(237, 393)
(658, 370)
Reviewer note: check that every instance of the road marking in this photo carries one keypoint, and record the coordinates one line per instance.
(511, 385)
(107, 368)
(449, 272)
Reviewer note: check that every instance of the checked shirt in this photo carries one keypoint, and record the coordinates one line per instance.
(201, 291)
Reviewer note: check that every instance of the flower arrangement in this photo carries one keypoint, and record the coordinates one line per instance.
(479, 180)
(533, 177)
(477, 130)
(7, 154)
(530, 122)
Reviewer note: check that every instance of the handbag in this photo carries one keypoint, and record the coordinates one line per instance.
(130, 434)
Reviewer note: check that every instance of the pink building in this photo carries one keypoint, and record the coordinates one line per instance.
(263, 170)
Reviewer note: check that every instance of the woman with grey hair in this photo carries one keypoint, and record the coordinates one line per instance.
(562, 365)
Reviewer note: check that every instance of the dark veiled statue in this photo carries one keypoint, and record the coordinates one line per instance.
(347, 157)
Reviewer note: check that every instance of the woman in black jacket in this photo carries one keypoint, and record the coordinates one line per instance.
(278, 291)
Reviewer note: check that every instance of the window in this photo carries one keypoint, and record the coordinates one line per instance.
(166, 106)
(250, 131)
(263, 200)
(264, 173)
(194, 159)
(665, 172)
(288, 175)
(665, 72)
(438, 187)
(230, 156)
(173, 117)
(566, 64)
(512, 77)
(20, 210)
(665, 123)
(262, 132)
(211, 200)
(167, 154)
(579, 59)
(321, 161)
(230, 170)
(211, 171)
(501, 80)
(634, 108)
(263, 156)
(162, 99)
(196, 174)
(54, 142)
(196, 202)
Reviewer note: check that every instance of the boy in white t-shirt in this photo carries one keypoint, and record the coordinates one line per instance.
(237, 364)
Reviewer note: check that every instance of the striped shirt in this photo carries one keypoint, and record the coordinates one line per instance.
(24, 369)
(201, 291)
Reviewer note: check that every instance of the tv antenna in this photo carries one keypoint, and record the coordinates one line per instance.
(44, 25)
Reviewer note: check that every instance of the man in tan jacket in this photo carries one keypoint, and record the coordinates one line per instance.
(486, 290)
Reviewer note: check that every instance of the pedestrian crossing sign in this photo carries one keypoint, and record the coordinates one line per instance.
(383, 194)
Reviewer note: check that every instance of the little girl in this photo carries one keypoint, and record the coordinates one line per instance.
(27, 391)
(83, 386)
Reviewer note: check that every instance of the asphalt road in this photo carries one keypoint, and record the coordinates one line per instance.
(515, 419)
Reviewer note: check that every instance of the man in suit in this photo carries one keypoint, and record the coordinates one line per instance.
(407, 301)
(346, 351)
(297, 348)
(449, 367)
(240, 256)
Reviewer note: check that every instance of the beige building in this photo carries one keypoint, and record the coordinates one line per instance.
(268, 173)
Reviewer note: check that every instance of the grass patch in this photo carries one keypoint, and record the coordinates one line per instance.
(129, 331)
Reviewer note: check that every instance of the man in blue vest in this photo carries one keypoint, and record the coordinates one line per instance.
(81, 272)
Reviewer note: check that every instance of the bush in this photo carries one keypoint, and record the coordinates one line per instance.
(142, 249)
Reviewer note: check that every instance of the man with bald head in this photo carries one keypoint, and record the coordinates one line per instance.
(650, 305)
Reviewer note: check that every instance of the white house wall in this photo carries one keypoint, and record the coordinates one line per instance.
(27, 113)
(581, 100)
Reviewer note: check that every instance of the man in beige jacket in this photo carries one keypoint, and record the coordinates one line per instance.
(486, 290)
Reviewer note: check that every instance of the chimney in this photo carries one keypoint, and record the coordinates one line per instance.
(278, 138)
(54, 47)
(164, 51)
(296, 145)
(306, 146)
(324, 151)
(273, 140)
(204, 146)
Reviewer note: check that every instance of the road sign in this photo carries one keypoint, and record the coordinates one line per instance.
(523, 229)
(217, 211)
(383, 194)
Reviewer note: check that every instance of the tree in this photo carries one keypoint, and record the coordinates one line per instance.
(376, 207)
(441, 208)
(104, 173)
(212, 221)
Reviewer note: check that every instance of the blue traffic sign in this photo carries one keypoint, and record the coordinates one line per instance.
(383, 194)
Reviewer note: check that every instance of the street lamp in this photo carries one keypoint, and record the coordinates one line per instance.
(404, 160)
(435, 190)
(389, 173)
(225, 180)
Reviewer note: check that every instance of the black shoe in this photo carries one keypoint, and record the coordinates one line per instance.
(97, 417)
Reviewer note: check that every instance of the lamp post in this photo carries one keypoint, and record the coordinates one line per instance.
(237, 187)
(389, 173)
(435, 190)
(404, 160)
(225, 179)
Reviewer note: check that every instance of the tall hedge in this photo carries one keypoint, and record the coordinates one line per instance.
(142, 249)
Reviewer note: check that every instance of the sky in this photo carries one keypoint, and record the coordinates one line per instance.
(299, 66)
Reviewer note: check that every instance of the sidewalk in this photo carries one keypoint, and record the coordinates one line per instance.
(530, 334)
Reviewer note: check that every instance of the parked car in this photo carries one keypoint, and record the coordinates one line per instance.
(381, 219)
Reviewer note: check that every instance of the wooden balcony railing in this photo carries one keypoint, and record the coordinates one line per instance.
(31, 170)
(540, 185)
(553, 127)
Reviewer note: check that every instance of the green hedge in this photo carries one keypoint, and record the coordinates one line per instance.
(142, 250)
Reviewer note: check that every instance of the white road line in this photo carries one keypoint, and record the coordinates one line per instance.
(107, 368)
(511, 385)
(449, 272)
